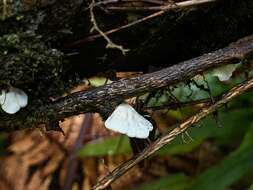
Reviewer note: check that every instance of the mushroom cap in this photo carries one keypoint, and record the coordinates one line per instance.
(13, 100)
(2, 96)
(21, 97)
(10, 104)
(225, 72)
(127, 121)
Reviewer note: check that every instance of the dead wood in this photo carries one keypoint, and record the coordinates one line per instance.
(104, 99)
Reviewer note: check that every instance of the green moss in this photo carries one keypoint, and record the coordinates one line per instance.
(33, 66)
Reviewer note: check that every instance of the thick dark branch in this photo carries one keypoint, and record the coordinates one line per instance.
(104, 99)
(98, 99)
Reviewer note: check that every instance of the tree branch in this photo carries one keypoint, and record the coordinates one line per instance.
(159, 143)
(98, 98)
(104, 99)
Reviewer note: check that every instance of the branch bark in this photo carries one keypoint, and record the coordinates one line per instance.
(104, 99)
(159, 143)
(98, 99)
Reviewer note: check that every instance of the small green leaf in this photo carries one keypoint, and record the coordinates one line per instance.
(208, 129)
(102, 147)
(99, 81)
(251, 187)
(171, 182)
(229, 170)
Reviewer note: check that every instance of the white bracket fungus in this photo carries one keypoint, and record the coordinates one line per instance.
(12, 100)
(127, 121)
(225, 72)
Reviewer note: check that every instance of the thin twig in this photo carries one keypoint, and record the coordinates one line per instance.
(93, 37)
(159, 143)
(135, 8)
(167, 7)
(156, 14)
(105, 2)
(110, 44)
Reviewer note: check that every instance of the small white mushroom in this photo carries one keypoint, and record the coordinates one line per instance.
(2, 96)
(127, 121)
(13, 100)
(10, 104)
(21, 97)
(225, 72)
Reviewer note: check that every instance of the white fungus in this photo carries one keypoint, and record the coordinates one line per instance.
(225, 72)
(2, 97)
(21, 97)
(12, 100)
(127, 121)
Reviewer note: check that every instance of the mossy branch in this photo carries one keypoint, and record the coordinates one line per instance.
(104, 99)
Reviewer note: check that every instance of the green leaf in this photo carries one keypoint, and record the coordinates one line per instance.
(99, 81)
(102, 147)
(185, 92)
(229, 130)
(229, 170)
(251, 187)
(178, 146)
(171, 182)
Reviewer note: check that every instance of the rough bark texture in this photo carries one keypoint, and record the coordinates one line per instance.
(104, 99)
(99, 98)
(34, 53)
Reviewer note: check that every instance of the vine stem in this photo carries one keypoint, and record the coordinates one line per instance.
(110, 43)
